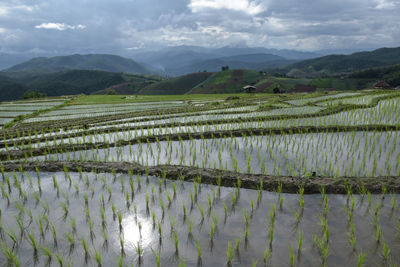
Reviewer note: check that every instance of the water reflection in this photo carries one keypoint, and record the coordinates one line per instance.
(137, 229)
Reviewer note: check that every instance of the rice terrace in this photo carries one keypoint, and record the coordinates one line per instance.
(201, 180)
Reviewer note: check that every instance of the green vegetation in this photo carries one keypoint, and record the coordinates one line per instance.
(175, 86)
(109, 63)
(33, 94)
(339, 64)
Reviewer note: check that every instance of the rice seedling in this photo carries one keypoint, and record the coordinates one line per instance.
(33, 243)
(229, 254)
(47, 253)
(97, 254)
(385, 252)
(199, 249)
(361, 258)
(157, 257)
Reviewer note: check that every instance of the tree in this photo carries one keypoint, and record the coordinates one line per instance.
(110, 91)
(33, 94)
(224, 68)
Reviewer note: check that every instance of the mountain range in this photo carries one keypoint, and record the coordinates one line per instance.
(193, 70)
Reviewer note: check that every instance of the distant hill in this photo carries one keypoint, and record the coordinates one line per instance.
(389, 74)
(110, 63)
(250, 61)
(70, 82)
(10, 89)
(179, 60)
(344, 64)
(229, 81)
(176, 86)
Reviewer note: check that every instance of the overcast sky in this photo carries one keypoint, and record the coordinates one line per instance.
(115, 26)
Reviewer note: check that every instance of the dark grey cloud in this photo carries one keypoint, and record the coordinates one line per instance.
(119, 26)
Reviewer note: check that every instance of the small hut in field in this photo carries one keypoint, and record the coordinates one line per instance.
(381, 85)
(249, 89)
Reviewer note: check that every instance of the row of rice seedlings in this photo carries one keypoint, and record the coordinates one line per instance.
(330, 154)
(308, 99)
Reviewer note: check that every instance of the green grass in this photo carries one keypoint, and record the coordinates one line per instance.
(322, 82)
(115, 99)
(222, 77)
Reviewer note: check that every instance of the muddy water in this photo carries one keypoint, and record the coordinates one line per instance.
(229, 228)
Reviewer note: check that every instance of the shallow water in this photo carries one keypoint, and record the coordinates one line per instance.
(362, 154)
(286, 228)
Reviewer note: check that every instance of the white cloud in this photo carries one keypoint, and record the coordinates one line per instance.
(59, 26)
(247, 6)
(384, 4)
(6, 9)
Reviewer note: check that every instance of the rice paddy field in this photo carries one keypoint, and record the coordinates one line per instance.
(243, 180)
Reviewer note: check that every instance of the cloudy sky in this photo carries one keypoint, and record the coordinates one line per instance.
(115, 26)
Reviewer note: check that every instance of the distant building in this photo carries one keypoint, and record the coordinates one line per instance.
(397, 88)
(302, 88)
(381, 85)
(249, 89)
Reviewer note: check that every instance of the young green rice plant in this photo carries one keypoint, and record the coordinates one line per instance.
(9, 255)
(114, 211)
(385, 252)
(172, 221)
(65, 209)
(291, 256)
(47, 253)
(85, 249)
(190, 227)
(33, 242)
(378, 234)
(176, 242)
(199, 249)
(121, 261)
(147, 200)
(91, 232)
(237, 245)
(361, 259)
(11, 234)
(119, 215)
(71, 241)
(54, 233)
(159, 226)
(157, 257)
(267, 254)
(60, 259)
(300, 242)
(97, 254)
(212, 229)
(184, 211)
(169, 198)
(122, 244)
(225, 210)
(139, 251)
(201, 211)
(73, 225)
(229, 254)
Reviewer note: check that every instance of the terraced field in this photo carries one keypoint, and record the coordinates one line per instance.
(249, 180)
